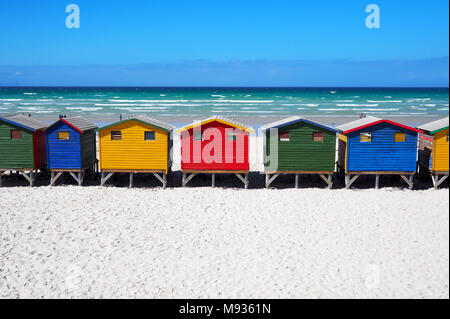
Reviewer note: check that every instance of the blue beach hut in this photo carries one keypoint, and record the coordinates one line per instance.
(71, 147)
(375, 146)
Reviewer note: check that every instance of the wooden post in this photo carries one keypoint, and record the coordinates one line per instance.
(267, 180)
(131, 179)
(296, 180)
(102, 179)
(105, 178)
(246, 181)
(1, 174)
(32, 178)
(330, 181)
(349, 181)
(213, 183)
(377, 181)
(80, 177)
(165, 180)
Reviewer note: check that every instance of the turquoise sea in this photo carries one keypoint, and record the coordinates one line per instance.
(255, 102)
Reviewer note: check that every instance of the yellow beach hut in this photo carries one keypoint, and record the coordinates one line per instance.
(139, 144)
(434, 150)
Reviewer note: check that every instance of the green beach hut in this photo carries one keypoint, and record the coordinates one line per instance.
(296, 145)
(22, 145)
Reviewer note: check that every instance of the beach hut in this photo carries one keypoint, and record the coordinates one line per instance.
(296, 145)
(434, 149)
(139, 144)
(215, 145)
(377, 147)
(71, 148)
(22, 146)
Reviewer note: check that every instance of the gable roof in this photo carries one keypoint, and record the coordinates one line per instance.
(219, 119)
(146, 120)
(78, 123)
(435, 126)
(370, 121)
(24, 122)
(296, 119)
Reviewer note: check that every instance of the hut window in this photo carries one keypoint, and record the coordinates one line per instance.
(318, 136)
(231, 136)
(285, 136)
(116, 135)
(365, 137)
(63, 135)
(16, 134)
(149, 136)
(399, 137)
(198, 136)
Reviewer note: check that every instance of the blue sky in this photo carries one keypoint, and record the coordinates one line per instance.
(229, 43)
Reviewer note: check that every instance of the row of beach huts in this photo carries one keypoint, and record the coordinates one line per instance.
(295, 145)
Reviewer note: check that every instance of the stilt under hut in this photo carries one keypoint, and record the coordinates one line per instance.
(215, 145)
(139, 144)
(71, 148)
(374, 146)
(434, 149)
(22, 146)
(296, 145)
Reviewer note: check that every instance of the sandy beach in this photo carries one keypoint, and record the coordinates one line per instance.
(92, 242)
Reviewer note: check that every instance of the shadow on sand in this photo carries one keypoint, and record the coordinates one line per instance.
(257, 181)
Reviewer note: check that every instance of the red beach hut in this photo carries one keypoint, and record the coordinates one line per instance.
(215, 145)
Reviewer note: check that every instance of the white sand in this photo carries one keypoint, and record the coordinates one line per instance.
(202, 242)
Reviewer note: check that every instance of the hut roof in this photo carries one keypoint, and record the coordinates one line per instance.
(146, 120)
(367, 122)
(78, 123)
(296, 119)
(219, 119)
(25, 122)
(435, 126)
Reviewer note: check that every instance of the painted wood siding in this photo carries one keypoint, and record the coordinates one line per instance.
(63, 154)
(18, 153)
(88, 149)
(440, 153)
(301, 153)
(229, 156)
(133, 152)
(382, 154)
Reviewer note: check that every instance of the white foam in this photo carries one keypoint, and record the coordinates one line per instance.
(369, 109)
(418, 100)
(395, 101)
(84, 109)
(11, 100)
(369, 105)
(29, 93)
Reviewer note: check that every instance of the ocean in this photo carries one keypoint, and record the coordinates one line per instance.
(253, 102)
